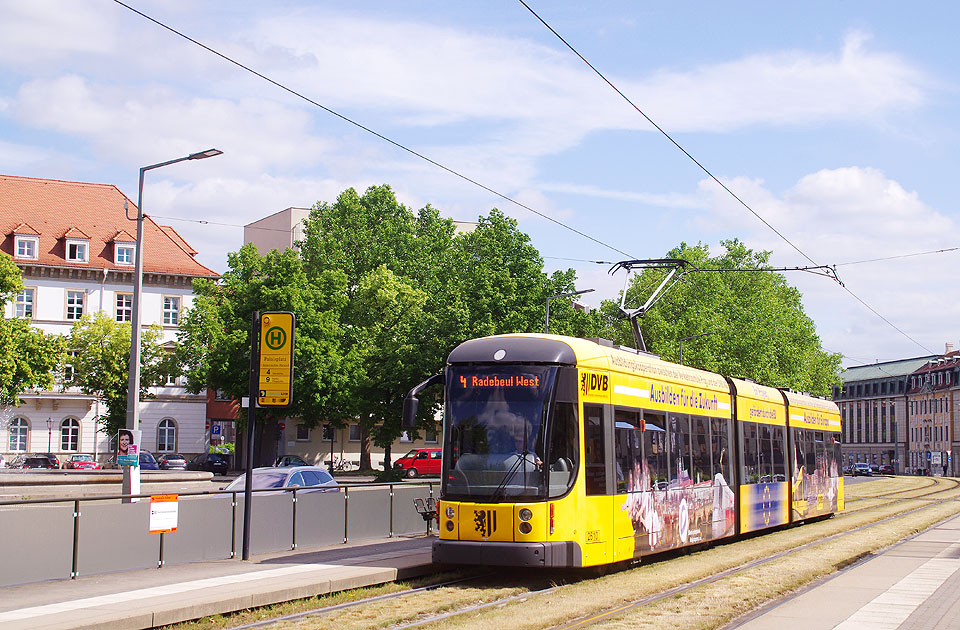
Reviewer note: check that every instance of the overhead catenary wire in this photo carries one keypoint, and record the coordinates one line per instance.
(369, 130)
(706, 170)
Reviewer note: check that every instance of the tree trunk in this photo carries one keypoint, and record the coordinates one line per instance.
(386, 458)
(365, 448)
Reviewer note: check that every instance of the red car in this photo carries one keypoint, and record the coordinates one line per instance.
(82, 462)
(420, 461)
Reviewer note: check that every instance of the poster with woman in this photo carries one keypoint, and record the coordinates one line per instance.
(128, 447)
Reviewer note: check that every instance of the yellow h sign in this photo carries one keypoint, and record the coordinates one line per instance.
(276, 360)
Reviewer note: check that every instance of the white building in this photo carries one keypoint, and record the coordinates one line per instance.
(75, 247)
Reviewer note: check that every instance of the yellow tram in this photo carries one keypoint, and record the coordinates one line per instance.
(565, 452)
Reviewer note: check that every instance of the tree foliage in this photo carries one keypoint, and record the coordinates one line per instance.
(381, 294)
(28, 356)
(99, 352)
(756, 319)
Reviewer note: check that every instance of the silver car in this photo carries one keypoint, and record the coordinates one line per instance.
(288, 478)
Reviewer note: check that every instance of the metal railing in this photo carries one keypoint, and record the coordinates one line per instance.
(58, 537)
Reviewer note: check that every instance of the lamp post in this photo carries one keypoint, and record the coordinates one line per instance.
(682, 339)
(546, 321)
(131, 479)
(49, 435)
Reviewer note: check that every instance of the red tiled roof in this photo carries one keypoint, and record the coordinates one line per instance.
(25, 229)
(75, 232)
(53, 208)
(123, 237)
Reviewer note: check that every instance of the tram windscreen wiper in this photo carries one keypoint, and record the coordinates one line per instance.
(500, 493)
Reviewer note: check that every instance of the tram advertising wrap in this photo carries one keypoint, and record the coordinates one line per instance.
(564, 452)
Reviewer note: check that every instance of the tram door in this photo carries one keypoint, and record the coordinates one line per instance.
(597, 523)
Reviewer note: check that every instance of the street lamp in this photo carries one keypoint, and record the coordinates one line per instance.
(546, 321)
(49, 435)
(131, 481)
(682, 339)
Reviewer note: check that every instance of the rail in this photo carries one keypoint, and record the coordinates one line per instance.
(58, 537)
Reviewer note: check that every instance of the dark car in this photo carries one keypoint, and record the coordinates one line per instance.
(147, 461)
(34, 461)
(172, 461)
(862, 468)
(210, 462)
(886, 469)
(54, 462)
(285, 461)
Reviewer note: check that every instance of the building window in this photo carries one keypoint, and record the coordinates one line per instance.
(123, 254)
(75, 301)
(303, 433)
(77, 251)
(124, 307)
(430, 437)
(23, 304)
(26, 247)
(329, 433)
(167, 436)
(18, 429)
(171, 311)
(354, 432)
(70, 435)
(68, 371)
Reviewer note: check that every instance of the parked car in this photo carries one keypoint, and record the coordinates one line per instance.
(37, 460)
(862, 468)
(82, 462)
(210, 462)
(420, 461)
(172, 461)
(54, 462)
(886, 469)
(289, 460)
(148, 461)
(289, 477)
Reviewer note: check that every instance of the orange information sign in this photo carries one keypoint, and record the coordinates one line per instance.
(164, 513)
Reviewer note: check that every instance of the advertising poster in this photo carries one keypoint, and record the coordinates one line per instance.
(128, 447)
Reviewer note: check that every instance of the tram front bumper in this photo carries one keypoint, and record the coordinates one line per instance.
(507, 554)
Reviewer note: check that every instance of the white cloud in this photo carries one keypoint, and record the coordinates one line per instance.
(852, 214)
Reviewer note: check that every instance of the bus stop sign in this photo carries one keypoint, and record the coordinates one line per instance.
(275, 377)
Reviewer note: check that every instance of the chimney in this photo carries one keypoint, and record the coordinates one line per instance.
(949, 347)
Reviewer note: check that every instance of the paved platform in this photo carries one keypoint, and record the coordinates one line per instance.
(914, 585)
(154, 597)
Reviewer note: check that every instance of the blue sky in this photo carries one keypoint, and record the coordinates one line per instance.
(836, 122)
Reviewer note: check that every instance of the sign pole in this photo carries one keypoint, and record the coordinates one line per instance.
(251, 420)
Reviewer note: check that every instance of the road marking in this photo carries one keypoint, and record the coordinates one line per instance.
(155, 591)
(891, 608)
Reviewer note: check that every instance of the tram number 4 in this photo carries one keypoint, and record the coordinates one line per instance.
(590, 383)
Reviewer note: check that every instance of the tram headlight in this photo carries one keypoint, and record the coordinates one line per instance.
(525, 527)
(450, 512)
(449, 526)
(525, 514)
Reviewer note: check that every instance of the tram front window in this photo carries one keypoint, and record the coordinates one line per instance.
(496, 427)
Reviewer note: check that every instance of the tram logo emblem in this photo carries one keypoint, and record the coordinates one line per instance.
(485, 522)
(594, 383)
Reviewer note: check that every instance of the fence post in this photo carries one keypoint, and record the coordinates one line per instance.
(391, 511)
(76, 539)
(233, 528)
(293, 542)
(346, 513)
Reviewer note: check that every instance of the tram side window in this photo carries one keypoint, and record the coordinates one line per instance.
(563, 450)
(779, 465)
(821, 452)
(719, 432)
(679, 448)
(751, 458)
(594, 451)
(627, 444)
(809, 453)
(766, 453)
(700, 469)
(800, 449)
(655, 448)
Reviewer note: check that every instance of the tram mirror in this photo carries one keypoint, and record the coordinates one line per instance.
(411, 403)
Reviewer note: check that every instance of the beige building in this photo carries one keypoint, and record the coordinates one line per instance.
(933, 426)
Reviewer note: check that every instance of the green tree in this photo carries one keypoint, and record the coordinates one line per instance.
(756, 319)
(214, 337)
(99, 351)
(28, 356)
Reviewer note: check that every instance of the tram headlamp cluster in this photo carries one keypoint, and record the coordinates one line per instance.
(449, 525)
(525, 527)
(525, 514)
(450, 512)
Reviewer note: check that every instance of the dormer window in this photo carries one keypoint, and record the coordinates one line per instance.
(26, 247)
(77, 250)
(123, 253)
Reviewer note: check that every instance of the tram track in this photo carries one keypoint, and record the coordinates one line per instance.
(500, 594)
